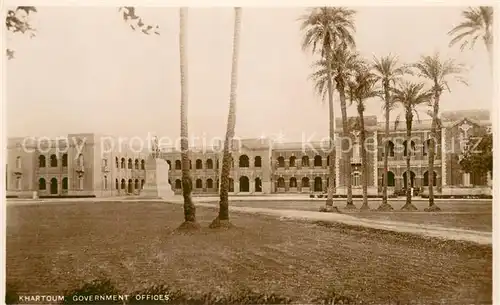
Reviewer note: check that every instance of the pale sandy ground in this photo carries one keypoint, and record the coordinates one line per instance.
(425, 230)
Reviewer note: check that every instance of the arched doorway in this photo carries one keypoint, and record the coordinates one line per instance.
(53, 186)
(426, 179)
(258, 185)
(130, 186)
(244, 184)
(412, 179)
(318, 184)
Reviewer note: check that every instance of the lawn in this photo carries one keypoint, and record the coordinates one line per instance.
(54, 248)
(471, 215)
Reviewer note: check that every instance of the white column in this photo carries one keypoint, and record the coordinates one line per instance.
(375, 160)
(443, 157)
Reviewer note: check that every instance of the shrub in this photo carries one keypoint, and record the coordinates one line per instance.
(311, 195)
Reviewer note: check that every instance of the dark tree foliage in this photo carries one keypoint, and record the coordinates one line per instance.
(478, 158)
(17, 21)
(130, 15)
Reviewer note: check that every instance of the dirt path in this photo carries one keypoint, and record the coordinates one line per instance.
(479, 237)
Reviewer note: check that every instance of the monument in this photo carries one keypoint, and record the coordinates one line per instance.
(157, 185)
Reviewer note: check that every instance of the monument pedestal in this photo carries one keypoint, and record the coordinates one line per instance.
(156, 186)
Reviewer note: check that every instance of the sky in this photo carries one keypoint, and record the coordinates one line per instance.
(86, 71)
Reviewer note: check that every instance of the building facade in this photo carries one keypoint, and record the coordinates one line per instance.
(81, 165)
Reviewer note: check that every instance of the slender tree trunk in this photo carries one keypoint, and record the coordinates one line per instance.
(408, 206)
(187, 182)
(346, 154)
(222, 219)
(385, 205)
(364, 172)
(432, 147)
(331, 167)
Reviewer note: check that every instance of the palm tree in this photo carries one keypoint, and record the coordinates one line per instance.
(410, 95)
(325, 29)
(477, 23)
(438, 72)
(340, 68)
(222, 219)
(360, 88)
(187, 182)
(388, 72)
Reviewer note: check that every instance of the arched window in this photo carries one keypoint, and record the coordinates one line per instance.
(305, 182)
(412, 148)
(210, 183)
(41, 161)
(210, 164)
(129, 163)
(258, 185)
(142, 183)
(199, 164)
(178, 164)
(124, 185)
(117, 184)
(65, 160)
(281, 182)
(42, 185)
(169, 164)
(281, 162)
(391, 181)
(136, 184)
(356, 179)
(318, 184)
(293, 182)
(244, 161)
(391, 149)
(199, 184)
(122, 163)
(257, 162)
(292, 161)
(117, 163)
(143, 164)
(426, 146)
(136, 164)
(317, 160)
(178, 184)
(65, 183)
(305, 161)
(53, 161)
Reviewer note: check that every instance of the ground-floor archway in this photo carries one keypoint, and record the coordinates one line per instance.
(412, 179)
(318, 184)
(244, 184)
(258, 185)
(53, 186)
(130, 186)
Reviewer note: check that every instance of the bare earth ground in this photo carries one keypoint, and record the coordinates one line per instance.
(470, 215)
(53, 248)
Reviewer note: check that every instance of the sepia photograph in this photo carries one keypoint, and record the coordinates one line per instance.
(248, 155)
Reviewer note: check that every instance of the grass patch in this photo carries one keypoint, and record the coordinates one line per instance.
(54, 249)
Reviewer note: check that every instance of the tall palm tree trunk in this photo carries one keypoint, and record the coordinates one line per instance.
(408, 205)
(385, 205)
(331, 166)
(430, 173)
(346, 154)
(222, 219)
(364, 172)
(187, 182)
